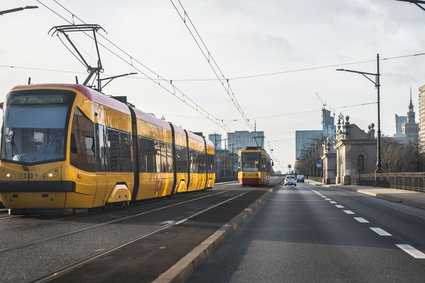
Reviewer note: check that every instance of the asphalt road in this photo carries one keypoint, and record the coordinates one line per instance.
(313, 234)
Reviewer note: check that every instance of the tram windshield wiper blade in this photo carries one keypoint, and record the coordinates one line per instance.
(10, 139)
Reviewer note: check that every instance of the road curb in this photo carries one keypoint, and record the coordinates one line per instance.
(184, 268)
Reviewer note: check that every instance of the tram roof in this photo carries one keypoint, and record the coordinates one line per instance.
(91, 94)
(112, 103)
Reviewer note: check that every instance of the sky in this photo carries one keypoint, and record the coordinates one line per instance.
(280, 57)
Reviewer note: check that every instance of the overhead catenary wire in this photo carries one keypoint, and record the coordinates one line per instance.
(306, 112)
(236, 77)
(272, 154)
(224, 81)
(168, 85)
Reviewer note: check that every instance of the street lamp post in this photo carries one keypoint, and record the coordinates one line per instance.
(377, 85)
(17, 9)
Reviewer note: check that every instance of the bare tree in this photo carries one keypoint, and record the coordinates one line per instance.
(399, 157)
(306, 165)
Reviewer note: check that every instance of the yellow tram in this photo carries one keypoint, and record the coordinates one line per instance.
(69, 146)
(255, 167)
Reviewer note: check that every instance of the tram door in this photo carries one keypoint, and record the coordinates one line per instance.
(101, 161)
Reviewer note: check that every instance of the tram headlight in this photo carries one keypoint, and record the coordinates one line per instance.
(51, 174)
(10, 176)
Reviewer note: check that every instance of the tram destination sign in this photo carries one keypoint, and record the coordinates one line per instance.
(38, 99)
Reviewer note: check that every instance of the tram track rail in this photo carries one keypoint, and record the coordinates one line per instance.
(104, 223)
(77, 264)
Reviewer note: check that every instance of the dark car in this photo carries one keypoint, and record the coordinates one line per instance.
(300, 178)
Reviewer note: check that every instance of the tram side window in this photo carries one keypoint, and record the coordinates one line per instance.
(147, 155)
(201, 162)
(125, 152)
(102, 160)
(150, 155)
(181, 159)
(210, 163)
(164, 161)
(82, 142)
(193, 161)
(157, 149)
(114, 150)
(119, 151)
(169, 158)
(142, 155)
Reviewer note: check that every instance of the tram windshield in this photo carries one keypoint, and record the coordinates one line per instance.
(251, 161)
(34, 126)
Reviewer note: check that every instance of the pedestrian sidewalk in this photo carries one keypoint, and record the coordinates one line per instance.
(415, 199)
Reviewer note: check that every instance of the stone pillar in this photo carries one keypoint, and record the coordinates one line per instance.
(329, 167)
(329, 162)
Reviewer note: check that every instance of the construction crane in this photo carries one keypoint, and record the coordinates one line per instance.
(321, 101)
(324, 103)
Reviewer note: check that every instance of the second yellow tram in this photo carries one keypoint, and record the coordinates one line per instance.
(255, 167)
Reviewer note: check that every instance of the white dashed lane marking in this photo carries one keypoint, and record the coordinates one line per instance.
(411, 251)
(380, 231)
(361, 220)
(406, 248)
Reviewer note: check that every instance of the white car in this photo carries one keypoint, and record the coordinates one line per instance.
(290, 180)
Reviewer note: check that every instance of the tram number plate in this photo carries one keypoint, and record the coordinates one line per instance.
(251, 175)
(25, 176)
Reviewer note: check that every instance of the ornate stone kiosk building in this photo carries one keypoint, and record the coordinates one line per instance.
(355, 150)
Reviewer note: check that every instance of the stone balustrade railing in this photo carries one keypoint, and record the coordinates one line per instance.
(412, 181)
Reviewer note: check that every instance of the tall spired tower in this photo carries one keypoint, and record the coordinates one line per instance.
(411, 128)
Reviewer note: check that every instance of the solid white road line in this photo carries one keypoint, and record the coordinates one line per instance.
(380, 231)
(339, 206)
(348, 212)
(411, 251)
(361, 220)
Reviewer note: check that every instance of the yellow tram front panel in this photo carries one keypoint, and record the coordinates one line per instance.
(251, 178)
(42, 173)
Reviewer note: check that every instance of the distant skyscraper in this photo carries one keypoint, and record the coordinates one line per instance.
(216, 140)
(411, 128)
(243, 139)
(421, 142)
(304, 138)
(399, 126)
(328, 123)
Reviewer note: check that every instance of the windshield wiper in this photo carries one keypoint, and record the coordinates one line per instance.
(18, 155)
(10, 139)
